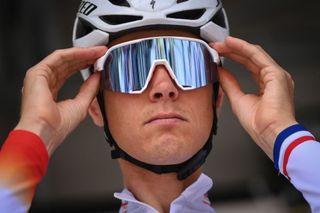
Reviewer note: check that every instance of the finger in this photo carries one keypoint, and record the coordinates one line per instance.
(230, 85)
(74, 111)
(266, 54)
(88, 91)
(248, 55)
(253, 52)
(253, 68)
(222, 48)
(58, 66)
(70, 60)
(240, 47)
(228, 53)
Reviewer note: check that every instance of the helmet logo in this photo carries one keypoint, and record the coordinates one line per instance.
(151, 5)
(153, 2)
(86, 8)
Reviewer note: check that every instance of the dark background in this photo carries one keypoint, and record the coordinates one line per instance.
(82, 178)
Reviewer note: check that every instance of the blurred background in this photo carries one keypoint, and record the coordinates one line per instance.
(82, 178)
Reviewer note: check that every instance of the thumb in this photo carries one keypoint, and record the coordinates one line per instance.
(74, 111)
(230, 85)
(88, 91)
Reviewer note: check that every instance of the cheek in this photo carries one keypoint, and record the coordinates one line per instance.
(202, 108)
(122, 112)
(156, 146)
(202, 117)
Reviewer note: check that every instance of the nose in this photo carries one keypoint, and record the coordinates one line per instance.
(162, 86)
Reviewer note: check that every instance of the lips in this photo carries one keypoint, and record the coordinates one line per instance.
(165, 118)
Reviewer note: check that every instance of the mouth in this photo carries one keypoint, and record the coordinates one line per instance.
(166, 118)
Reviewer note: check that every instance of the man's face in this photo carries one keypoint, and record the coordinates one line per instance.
(164, 124)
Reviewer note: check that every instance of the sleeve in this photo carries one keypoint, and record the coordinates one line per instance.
(297, 157)
(23, 162)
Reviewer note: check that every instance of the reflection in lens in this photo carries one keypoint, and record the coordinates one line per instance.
(128, 66)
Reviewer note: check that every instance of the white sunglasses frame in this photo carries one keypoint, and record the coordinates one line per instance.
(98, 66)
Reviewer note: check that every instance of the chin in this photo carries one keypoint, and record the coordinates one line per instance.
(168, 155)
(165, 149)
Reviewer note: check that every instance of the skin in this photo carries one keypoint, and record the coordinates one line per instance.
(169, 140)
(138, 129)
(263, 115)
(41, 113)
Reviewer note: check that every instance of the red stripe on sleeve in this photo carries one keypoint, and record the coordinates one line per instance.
(289, 150)
(27, 144)
(23, 162)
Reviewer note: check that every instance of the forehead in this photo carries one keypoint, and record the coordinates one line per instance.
(151, 33)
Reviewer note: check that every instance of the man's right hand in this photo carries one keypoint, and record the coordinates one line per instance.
(41, 113)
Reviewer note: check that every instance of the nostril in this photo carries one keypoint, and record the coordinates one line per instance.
(172, 94)
(157, 95)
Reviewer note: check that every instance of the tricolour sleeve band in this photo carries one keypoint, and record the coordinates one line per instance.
(281, 138)
(289, 150)
(296, 156)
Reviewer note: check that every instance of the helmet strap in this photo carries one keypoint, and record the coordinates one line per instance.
(183, 170)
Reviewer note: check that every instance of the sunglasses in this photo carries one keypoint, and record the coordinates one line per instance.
(128, 67)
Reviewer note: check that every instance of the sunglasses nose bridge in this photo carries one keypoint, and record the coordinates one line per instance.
(155, 66)
(161, 85)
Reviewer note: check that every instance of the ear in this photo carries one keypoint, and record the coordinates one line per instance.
(219, 101)
(95, 113)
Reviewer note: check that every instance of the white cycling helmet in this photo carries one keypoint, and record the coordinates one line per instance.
(100, 21)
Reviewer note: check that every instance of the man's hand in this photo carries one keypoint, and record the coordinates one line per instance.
(266, 114)
(41, 113)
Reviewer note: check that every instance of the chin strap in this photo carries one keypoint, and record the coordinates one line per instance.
(184, 169)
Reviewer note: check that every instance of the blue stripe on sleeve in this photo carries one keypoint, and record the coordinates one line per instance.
(281, 138)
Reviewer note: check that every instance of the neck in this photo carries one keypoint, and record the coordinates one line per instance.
(156, 190)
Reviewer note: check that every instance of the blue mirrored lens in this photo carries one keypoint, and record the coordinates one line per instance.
(126, 68)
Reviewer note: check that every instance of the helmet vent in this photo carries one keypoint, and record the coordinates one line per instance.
(219, 19)
(119, 19)
(188, 14)
(122, 3)
(180, 1)
(83, 28)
